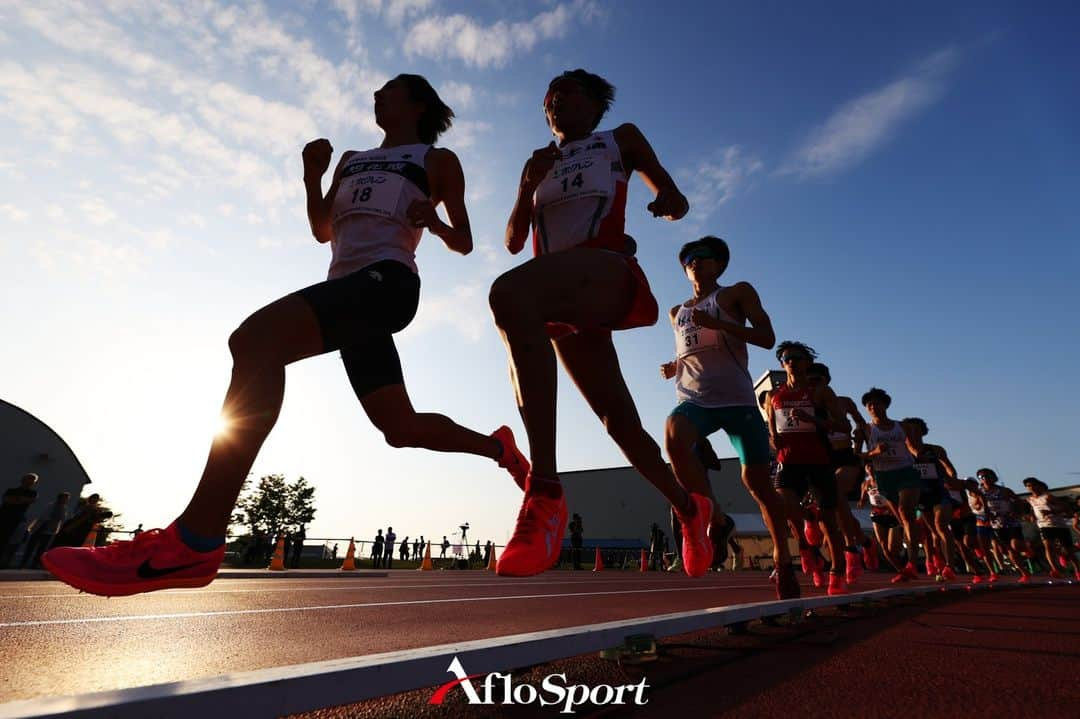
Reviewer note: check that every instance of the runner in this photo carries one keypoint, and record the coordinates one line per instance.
(934, 467)
(894, 471)
(715, 391)
(1001, 502)
(962, 525)
(378, 205)
(848, 468)
(798, 431)
(984, 533)
(1052, 517)
(580, 285)
(886, 525)
(723, 526)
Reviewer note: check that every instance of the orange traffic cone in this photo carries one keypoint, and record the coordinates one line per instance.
(277, 563)
(91, 538)
(426, 566)
(349, 565)
(598, 565)
(644, 561)
(491, 561)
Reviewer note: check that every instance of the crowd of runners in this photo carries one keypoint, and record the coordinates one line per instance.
(561, 306)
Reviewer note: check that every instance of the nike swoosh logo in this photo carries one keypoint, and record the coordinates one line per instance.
(145, 571)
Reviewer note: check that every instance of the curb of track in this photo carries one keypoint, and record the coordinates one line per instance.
(316, 685)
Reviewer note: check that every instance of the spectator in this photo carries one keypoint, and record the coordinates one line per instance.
(444, 546)
(137, 531)
(577, 533)
(417, 545)
(333, 551)
(477, 552)
(298, 547)
(388, 551)
(377, 550)
(13, 508)
(404, 551)
(74, 531)
(656, 547)
(46, 531)
(487, 553)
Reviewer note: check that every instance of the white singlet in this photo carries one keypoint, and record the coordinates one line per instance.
(582, 200)
(368, 213)
(878, 503)
(896, 455)
(710, 365)
(1045, 517)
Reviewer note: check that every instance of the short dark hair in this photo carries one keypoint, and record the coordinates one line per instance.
(987, 471)
(717, 246)
(594, 86)
(820, 368)
(792, 345)
(1036, 482)
(878, 394)
(437, 116)
(917, 422)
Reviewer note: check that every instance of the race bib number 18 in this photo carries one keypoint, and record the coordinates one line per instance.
(372, 193)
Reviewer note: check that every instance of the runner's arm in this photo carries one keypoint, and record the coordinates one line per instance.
(448, 189)
(946, 463)
(517, 229)
(319, 206)
(760, 332)
(638, 155)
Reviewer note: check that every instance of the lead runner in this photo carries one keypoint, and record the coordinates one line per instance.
(379, 203)
(581, 284)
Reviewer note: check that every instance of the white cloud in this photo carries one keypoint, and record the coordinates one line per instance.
(464, 308)
(717, 179)
(13, 213)
(464, 38)
(458, 95)
(96, 211)
(860, 126)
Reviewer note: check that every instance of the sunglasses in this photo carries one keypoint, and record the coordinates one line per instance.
(700, 253)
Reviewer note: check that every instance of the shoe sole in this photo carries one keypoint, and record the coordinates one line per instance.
(100, 589)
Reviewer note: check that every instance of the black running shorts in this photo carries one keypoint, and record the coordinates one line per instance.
(359, 314)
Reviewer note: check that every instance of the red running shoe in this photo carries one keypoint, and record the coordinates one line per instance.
(1062, 562)
(512, 459)
(808, 561)
(931, 570)
(697, 548)
(155, 559)
(787, 587)
(977, 579)
(812, 533)
(537, 538)
(819, 578)
(1024, 578)
(836, 585)
(993, 577)
(852, 566)
(871, 559)
(948, 574)
(906, 574)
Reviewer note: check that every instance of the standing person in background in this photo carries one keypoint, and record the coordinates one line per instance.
(377, 550)
(75, 530)
(443, 547)
(46, 532)
(577, 533)
(13, 507)
(388, 548)
(404, 550)
(656, 547)
(298, 546)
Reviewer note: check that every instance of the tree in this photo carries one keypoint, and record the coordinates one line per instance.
(274, 506)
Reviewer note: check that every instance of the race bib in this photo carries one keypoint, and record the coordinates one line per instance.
(576, 178)
(369, 193)
(927, 470)
(689, 338)
(787, 421)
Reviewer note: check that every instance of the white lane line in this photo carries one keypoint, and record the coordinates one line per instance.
(278, 610)
(357, 587)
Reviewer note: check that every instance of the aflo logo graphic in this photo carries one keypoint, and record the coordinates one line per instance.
(498, 688)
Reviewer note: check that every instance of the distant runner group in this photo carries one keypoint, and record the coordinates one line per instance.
(561, 306)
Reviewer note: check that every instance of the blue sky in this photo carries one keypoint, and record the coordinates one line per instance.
(899, 184)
